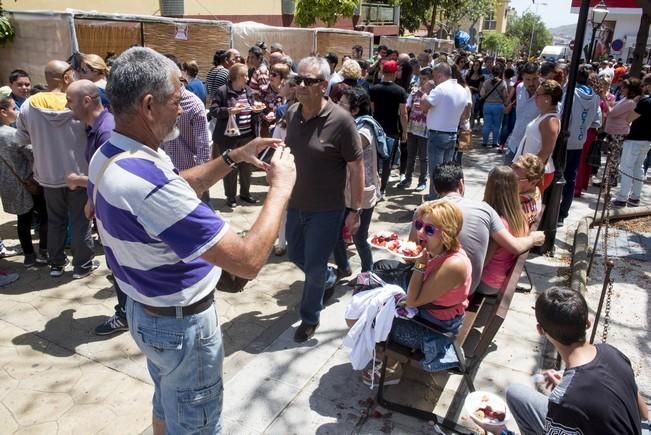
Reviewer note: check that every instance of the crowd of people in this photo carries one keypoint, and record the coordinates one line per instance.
(132, 144)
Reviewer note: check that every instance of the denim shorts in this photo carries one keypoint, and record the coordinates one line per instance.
(184, 358)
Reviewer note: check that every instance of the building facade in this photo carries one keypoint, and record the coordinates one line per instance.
(375, 16)
(618, 33)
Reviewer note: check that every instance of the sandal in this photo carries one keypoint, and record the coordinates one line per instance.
(372, 377)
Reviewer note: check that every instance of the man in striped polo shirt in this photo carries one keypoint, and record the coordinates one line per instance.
(165, 247)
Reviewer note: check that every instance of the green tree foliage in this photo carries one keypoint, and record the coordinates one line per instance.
(500, 44)
(417, 13)
(523, 27)
(457, 10)
(328, 11)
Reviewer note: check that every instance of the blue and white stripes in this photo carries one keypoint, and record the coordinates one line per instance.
(153, 227)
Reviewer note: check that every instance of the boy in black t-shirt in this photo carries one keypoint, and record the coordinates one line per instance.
(596, 394)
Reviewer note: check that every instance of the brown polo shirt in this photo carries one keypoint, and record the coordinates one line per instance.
(322, 146)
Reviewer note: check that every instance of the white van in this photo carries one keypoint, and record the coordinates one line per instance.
(552, 53)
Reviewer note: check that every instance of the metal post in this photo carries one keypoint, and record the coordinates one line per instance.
(533, 30)
(591, 46)
(553, 196)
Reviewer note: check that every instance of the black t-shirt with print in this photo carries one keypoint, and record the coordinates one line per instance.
(387, 98)
(597, 398)
(641, 127)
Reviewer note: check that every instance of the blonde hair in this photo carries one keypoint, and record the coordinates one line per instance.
(351, 70)
(501, 193)
(447, 217)
(191, 68)
(281, 68)
(235, 70)
(96, 63)
(532, 164)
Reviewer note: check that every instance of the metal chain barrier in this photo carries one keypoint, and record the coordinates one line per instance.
(641, 180)
(609, 294)
(610, 173)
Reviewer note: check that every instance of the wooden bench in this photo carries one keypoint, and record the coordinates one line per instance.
(482, 320)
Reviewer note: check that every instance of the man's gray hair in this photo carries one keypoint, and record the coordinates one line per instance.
(136, 73)
(443, 68)
(320, 62)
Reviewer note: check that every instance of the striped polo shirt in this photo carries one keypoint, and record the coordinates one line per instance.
(153, 227)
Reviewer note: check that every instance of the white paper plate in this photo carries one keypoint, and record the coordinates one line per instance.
(404, 257)
(472, 404)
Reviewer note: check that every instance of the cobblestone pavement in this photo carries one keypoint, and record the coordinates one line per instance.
(58, 377)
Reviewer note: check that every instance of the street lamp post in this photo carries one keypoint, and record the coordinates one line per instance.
(597, 18)
(533, 28)
(481, 39)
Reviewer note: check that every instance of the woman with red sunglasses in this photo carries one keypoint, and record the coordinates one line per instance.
(438, 288)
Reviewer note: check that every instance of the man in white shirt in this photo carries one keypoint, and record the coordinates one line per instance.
(446, 103)
(525, 109)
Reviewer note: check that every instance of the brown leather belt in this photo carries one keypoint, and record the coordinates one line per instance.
(198, 307)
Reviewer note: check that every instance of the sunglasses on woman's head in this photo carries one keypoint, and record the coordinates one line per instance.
(309, 81)
(430, 230)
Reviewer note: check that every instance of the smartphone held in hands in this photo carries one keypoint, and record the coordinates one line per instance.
(267, 155)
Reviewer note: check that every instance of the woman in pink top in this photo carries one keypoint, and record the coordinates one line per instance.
(439, 288)
(617, 124)
(502, 193)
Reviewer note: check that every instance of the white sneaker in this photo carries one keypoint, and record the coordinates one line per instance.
(6, 252)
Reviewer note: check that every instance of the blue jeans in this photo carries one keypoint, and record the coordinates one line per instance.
(493, 114)
(184, 358)
(508, 123)
(361, 243)
(311, 238)
(438, 353)
(571, 166)
(440, 149)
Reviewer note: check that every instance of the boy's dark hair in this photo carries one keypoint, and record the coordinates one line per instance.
(563, 315)
(16, 74)
(39, 87)
(546, 68)
(358, 99)
(257, 51)
(363, 64)
(382, 48)
(583, 74)
(530, 68)
(332, 58)
(359, 48)
(446, 177)
(219, 58)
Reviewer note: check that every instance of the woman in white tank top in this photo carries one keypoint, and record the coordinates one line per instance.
(541, 133)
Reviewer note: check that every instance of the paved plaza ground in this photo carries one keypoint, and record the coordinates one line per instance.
(57, 377)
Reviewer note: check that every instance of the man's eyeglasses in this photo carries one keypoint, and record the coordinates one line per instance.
(430, 230)
(309, 81)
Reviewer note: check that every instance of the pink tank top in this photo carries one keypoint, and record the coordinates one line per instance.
(496, 271)
(456, 299)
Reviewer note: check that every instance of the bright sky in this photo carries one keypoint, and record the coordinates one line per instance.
(554, 13)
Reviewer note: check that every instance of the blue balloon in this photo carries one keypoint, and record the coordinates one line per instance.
(461, 39)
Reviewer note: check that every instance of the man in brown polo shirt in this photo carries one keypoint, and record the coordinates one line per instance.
(325, 142)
